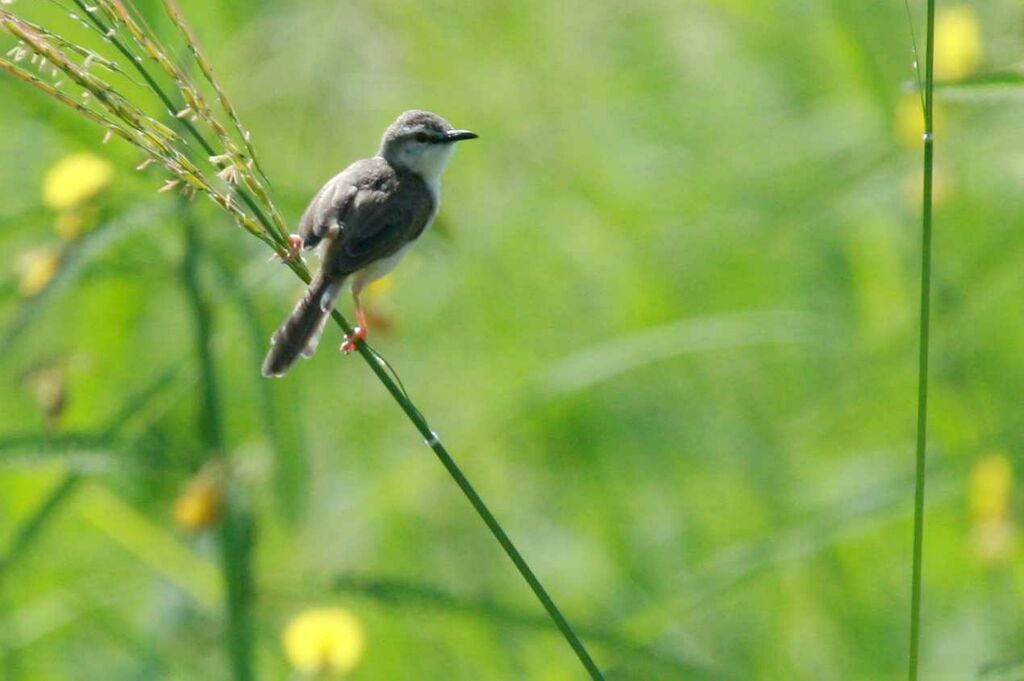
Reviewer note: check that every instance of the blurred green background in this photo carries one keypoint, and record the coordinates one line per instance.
(666, 323)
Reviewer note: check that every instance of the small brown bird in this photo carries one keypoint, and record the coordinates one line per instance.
(366, 217)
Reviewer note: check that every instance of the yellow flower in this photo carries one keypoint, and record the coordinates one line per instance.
(993, 533)
(909, 124)
(958, 43)
(909, 121)
(991, 482)
(37, 269)
(323, 641)
(381, 287)
(199, 506)
(74, 180)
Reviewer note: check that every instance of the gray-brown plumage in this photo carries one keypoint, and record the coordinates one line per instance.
(365, 217)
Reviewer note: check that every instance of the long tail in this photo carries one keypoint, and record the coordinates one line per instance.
(299, 335)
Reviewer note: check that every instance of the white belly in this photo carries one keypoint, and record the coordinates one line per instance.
(376, 270)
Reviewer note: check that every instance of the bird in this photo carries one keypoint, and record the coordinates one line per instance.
(364, 219)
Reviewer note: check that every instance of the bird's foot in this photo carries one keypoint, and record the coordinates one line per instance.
(295, 244)
(358, 334)
(294, 247)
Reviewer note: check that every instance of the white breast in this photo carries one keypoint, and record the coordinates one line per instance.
(377, 270)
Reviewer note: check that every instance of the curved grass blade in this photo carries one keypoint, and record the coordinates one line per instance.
(406, 594)
(34, 524)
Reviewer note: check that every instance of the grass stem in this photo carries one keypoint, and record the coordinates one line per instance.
(922, 375)
(122, 117)
(235, 542)
(435, 444)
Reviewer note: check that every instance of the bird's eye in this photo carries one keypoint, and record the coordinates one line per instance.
(422, 137)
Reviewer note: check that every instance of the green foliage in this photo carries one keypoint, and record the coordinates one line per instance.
(670, 332)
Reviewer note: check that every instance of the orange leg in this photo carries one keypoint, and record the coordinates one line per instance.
(360, 332)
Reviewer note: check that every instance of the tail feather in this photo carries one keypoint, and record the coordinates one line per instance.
(300, 333)
(327, 300)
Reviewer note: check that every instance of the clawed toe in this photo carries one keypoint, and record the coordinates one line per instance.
(351, 341)
(295, 244)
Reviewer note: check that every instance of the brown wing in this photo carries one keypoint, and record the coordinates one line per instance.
(324, 212)
(376, 209)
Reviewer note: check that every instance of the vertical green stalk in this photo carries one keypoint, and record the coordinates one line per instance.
(235, 536)
(922, 371)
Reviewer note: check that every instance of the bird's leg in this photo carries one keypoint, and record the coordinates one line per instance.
(362, 329)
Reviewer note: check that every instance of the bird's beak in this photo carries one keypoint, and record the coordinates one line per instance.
(458, 135)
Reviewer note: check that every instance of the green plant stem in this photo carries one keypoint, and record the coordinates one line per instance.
(23, 538)
(432, 440)
(922, 371)
(28, 530)
(237, 592)
(405, 594)
(291, 474)
(235, 541)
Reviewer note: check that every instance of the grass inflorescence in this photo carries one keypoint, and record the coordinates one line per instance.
(204, 149)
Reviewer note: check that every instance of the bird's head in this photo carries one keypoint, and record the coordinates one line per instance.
(421, 142)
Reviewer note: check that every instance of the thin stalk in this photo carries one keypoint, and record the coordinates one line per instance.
(404, 594)
(236, 527)
(381, 369)
(234, 531)
(434, 442)
(922, 371)
(291, 474)
(27, 532)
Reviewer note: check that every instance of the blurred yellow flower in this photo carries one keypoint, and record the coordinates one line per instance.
(958, 43)
(75, 179)
(990, 485)
(323, 641)
(909, 121)
(993, 533)
(200, 504)
(381, 286)
(37, 269)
